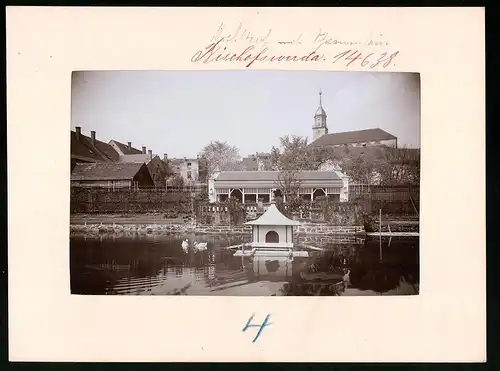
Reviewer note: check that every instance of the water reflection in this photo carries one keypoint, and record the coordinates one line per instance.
(157, 265)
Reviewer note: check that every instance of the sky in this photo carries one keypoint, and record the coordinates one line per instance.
(179, 112)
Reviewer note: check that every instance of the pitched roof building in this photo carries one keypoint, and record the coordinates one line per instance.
(362, 138)
(86, 149)
(111, 175)
(124, 149)
(159, 170)
(250, 186)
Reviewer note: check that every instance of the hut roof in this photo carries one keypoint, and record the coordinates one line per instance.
(273, 216)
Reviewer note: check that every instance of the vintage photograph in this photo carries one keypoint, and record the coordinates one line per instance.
(245, 183)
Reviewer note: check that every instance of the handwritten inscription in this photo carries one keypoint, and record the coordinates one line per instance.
(260, 326)
(240, 34)
(297, 40)
(324, 38)
(238, 44)
(215, 52)
(371, 59)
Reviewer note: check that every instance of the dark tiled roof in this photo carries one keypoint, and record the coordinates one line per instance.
(100, 152)
(125, 150)
(352, 137)
(273, 175)
(106, 171)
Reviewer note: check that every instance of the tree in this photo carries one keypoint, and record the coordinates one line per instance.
(176, 181)
(360, 169)
(219, 156)
(288, 183)
(382, 165)
(400, 166)
(296, 154)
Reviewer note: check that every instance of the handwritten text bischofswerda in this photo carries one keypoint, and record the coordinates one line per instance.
(226, 49)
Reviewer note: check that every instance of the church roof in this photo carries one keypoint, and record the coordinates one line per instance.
(320, 112)
(352, 137)
(273, 216)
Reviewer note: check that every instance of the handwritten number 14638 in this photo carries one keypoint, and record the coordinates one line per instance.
(371, 60)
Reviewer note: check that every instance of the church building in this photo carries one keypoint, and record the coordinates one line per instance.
(358, 138)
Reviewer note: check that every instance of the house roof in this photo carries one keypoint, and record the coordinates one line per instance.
(156, 161)
(273, 175)
(352, 137)
(106, 171)
(125, 150)
(138, 158)
(84, 148)
(273, 216)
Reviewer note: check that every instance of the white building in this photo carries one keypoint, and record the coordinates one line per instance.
(252, 186)
(272, 236)
(187, 168)
(272, 230)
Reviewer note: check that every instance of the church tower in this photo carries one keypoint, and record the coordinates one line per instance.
(319, 127)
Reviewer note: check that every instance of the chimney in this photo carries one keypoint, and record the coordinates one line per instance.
(78, 130)
(92, 138)
(130, 146)
(150, 154)
(165, 158)
(144, 149)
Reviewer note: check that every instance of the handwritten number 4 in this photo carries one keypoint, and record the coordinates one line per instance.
(353, 59)
(261, 326)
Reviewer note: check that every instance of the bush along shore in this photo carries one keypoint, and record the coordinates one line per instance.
(188, 228)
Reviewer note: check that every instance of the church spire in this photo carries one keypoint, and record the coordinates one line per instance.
(320, 111)
(319, 126)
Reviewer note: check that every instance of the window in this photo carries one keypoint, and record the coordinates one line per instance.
(189, 175)
(188, 164)
(272, 237)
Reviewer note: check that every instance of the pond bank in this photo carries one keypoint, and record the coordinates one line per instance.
(188, 228)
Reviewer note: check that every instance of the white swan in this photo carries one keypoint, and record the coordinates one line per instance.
(346, 277)
(185, 245)
(200, 245)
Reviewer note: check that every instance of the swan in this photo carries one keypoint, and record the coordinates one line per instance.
(185, 245)
(346, 277)
(200, 245)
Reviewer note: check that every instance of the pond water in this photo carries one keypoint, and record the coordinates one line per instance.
(155, 264)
